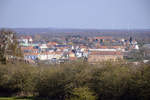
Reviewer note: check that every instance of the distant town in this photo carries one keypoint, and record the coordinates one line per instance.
(71, 48)
(67, 48)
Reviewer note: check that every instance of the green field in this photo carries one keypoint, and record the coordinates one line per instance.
(21, 98)
(11, 98)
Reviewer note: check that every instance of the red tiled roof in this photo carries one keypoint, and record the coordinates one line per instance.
(83, 46)
(103, 37)
(110, 47)
(27, 48)
(105, 53)
(25, 54)
(57, 52)
(51, 43)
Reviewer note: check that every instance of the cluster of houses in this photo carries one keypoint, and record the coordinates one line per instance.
(102, 48)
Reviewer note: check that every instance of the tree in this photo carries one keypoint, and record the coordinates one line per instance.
(8, 45)
(82, 93)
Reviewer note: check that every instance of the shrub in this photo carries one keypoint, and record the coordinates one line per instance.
(16, 80)
(59, 82)
(82, 93)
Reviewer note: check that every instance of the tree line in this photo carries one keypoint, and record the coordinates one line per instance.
(77, 81)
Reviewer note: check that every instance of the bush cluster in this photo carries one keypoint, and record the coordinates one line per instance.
(77, 81)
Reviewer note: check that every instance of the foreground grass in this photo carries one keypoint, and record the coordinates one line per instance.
(21, 98)
(13, 98)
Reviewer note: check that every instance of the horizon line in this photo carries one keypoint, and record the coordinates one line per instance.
(74, 28)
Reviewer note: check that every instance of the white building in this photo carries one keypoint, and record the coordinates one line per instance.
(49, 56)
(26, 39)
(43, 46)
(102, 50)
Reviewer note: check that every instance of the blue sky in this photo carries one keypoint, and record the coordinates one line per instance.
(97, 14)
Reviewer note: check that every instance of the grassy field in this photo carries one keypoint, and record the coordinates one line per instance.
(21, 98)
(11, 98)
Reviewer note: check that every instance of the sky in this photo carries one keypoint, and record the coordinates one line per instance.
(91, 14)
